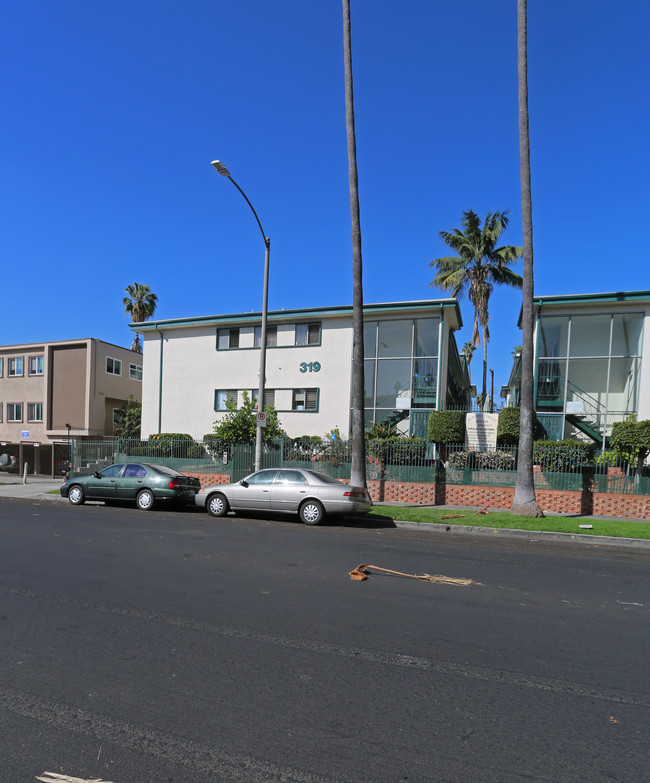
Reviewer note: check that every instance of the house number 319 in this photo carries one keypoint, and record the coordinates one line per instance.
(309, 367)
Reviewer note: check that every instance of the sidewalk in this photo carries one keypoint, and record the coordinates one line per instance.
(37, 487)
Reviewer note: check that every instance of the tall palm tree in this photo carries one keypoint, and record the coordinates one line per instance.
(140, 304)
(524, 500)
(477, 268)
(358, 467)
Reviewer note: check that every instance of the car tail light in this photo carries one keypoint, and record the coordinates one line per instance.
(174, 484)
(353, 495)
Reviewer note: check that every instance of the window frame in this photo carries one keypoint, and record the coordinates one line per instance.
(35, 358)
(14, 405)
(231, 395)
(232, 330)
(309, 325)
(15, 360)
(305, 408)
(30, 418)
(115, 361)
(134, 367)
(271, 336)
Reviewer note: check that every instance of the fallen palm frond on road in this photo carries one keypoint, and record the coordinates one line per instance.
(361, 572)
(54, 777)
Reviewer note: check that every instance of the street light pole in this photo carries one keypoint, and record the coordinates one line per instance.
(218, 165)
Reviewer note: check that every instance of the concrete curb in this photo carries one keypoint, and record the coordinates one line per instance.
(530, 535)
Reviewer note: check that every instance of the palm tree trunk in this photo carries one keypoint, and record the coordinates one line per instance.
(484, 396)
(358, 468)
(524, 501)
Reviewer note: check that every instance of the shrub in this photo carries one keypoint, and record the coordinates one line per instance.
(447, 427)
(562, 456)
(482, 460)
(398, 451)
(509, 424)
(174, 444)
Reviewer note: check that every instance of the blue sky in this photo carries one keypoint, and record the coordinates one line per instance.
(113, 111)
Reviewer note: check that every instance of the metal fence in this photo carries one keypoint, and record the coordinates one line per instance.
(403, 460)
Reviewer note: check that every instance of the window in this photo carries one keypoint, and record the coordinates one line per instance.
(135, 372)
(34, 411)
(0, 412)
(290, 477)
(222, 397)
(305, 400)
(269, 396)
(14, 411)
(113, 366)
(271, 336)
(35, 366)
(263, 477)
(227, 338)
(15, 366)
(0, 366)
(308, 334)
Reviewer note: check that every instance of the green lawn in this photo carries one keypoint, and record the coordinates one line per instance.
(504, 519)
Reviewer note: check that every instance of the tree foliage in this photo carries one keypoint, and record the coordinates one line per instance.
(140, 304)
(129, 416)
(478, 266)
(239, 424)
(631, 440)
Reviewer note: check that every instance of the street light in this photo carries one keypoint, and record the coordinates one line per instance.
(218, 165)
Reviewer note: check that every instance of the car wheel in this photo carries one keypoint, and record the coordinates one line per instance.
(145, 500)
(217, 505)
(76, 495)
(311, 512)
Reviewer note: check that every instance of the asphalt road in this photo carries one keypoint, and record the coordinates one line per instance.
(170, 647)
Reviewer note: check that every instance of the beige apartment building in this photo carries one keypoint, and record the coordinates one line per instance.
(52, 391)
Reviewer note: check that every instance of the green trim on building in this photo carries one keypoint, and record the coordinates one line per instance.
(302, 314)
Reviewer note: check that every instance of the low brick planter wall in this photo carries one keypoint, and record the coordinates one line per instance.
(560, 501)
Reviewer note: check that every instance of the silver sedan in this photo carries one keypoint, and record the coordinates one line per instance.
(307, 493)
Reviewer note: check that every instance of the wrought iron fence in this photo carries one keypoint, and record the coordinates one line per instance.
(398, 459)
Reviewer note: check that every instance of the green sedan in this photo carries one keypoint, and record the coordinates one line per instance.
(144, 483)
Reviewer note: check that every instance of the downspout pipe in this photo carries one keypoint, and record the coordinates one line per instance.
(160, 375)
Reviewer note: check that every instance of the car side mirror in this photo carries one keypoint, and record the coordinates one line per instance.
(96, 474)
(243, 483)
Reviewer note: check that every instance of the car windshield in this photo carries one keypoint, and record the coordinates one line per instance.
(322, 477)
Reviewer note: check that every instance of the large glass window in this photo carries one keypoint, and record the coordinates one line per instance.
(627, 334)
(395, 338)
(393, 382)
(400, 370)
(425, 383)
(426, 336)
(370, 339)
(553, 336)
(599, 381)
(590, 335)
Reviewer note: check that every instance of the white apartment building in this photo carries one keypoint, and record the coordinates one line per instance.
(192, 366)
